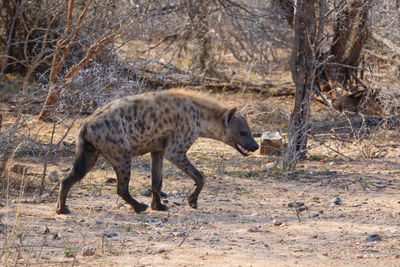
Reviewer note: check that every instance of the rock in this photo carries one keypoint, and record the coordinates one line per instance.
(163, 250)
(276, 222)
(254, 229)
(87, 251)
(373, 238)
(271, 143)
(111, 235)
(120, 205)
(55, 236)
(268, 166)
(183, 234)
(336, 201)
(53, 175)
(148, 192)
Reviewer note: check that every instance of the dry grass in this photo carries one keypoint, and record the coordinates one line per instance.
(242, 200)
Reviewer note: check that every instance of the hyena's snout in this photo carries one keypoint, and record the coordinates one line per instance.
(247, 145)
(252, 145)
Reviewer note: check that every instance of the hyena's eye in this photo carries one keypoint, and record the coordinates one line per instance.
(243, 133)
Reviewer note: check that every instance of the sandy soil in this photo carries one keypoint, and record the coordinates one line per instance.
(243, 217)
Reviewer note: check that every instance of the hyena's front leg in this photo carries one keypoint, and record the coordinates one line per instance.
(156, 180)
(123, 170)
(182, 162)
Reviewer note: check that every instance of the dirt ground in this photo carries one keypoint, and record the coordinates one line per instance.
(244, 216)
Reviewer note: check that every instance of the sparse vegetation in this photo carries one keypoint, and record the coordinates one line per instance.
(342, 135)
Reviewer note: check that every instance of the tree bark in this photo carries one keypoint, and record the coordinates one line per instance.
(202, 62)
(350, 34)
(302, 66)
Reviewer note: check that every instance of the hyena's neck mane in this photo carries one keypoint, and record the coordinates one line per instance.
(206, 102)
(211, 112)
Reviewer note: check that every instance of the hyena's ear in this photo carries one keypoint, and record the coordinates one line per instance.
(227, 116)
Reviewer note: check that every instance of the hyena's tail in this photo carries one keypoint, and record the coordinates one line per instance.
(85, 158)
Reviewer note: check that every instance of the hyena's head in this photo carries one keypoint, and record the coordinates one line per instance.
(238, 133)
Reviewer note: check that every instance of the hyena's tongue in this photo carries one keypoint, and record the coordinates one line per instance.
(244, 151)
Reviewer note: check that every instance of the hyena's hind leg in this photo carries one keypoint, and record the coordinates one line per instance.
(122, 168)
(182, 162)
(156, 180)
(85, 159)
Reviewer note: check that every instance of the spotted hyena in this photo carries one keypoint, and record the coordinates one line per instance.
(163, 123)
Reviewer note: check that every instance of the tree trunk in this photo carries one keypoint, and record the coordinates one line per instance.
(202, 62)
(350, 34)
(13, 38)
(302, 66)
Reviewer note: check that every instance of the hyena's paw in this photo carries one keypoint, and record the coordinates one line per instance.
(63, 210)
(140, 207)
(193, 201)
(158, 206)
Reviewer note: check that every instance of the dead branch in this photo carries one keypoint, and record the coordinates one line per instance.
(389, 44)
(92, 52)
(58, 61)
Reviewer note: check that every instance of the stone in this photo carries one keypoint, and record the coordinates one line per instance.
(146, 193)
(55, 236)
(277, 222)
(254, 229)
(336, 201)
(163, 250)
(183, 234)
(111, 235)
(373, 238)
(271, 143)
(53, 175)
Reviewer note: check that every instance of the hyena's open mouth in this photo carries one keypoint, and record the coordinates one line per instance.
(242, 150)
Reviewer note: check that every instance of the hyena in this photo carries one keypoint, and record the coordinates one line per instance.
(163, 123)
